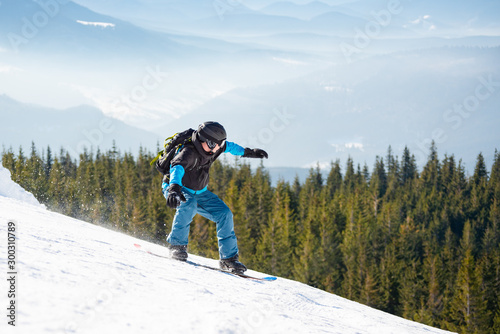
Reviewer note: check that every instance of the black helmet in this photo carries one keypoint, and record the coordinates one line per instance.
(211, 132)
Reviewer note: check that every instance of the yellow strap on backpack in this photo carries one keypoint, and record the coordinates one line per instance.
(167, 141)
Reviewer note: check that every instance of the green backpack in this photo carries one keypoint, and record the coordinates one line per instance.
(170, 148)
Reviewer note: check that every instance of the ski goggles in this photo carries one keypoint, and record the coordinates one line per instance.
(210, 143)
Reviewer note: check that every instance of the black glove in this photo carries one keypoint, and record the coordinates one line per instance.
(254, 153)
(175, 196)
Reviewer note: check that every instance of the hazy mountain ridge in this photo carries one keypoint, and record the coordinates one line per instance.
(351, 117)
(76, 30)
(115, 61)
(217, 62)
(72, 129)
(300, 11)
(411, 16)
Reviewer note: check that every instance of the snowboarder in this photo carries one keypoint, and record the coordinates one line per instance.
(187, 192)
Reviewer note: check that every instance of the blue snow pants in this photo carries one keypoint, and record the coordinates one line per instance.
(210, 206)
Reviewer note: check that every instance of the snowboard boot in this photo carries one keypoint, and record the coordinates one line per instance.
(178, 252)
(232, 265)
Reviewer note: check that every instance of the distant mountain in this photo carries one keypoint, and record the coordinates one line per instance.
(358, 110)
(165, 64)
(167, 15)
(235, 24)
(303, 12)
(72, 129)
(168, 9)
(480, 13)
(426, 18)
(289, 174)
(81, 56)
(446, 18)
(68, 28)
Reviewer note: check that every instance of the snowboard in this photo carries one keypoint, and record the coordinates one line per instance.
(264, 279)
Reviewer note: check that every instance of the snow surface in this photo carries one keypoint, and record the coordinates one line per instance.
(10, 189)
(75, 277)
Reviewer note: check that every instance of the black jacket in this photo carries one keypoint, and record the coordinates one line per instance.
(196, 163)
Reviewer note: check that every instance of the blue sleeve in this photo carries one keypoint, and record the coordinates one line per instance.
(234, 148)
(176, 174)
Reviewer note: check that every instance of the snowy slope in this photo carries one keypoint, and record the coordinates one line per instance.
(75, 277)
(10, 189)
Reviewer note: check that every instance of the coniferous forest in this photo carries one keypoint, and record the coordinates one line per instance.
(419, 242)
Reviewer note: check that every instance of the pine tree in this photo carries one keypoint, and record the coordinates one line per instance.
(332, 223)
(480, 199)
(57, 195)
(389, 274)
(462, 307)
(431, 310)
(394, 178)
(119, 213)
(409, 293)
(243, 201)
(496, 323)
(467, 307)
(334, 179)
(305, 269)
(275, 247)
(349, 177)
(9, 160)
(162, 220)
(20, 174)
(378, 184)
(296, 188)
(366, 173)
(235, 201)
(306, 266)
(448, 171)
(425, 246)
(432, 170)
(48, 162)
(480, 172)
(491, 267)
(358, 283)
(37, 179)
(494, 182)
(408, 166)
